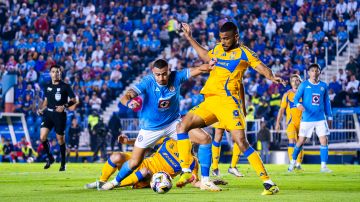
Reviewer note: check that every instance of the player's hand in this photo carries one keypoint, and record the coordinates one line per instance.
(133, 104)
(123, 139)
(60, 108)
(279, 80)
(40, 112)
(186, 29)
(277, 127)
(213, 62)
(301, 107)
(329, 123)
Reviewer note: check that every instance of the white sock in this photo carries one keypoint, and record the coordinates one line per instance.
(204, 179)
(323, 164)
(186, 170)
(292, 162)
(114, 182)
(269, 182)
(298, 164)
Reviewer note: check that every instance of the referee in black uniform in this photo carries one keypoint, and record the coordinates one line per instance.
(54, 116)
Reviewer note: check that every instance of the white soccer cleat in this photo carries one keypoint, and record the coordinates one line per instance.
(94, 185)
(235, 172)
(291, 167)
(210, 186)
(325, 170)
(107, 186)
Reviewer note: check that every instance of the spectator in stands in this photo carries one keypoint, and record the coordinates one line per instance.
(341, 76)
(95, 102)
(55, 149)
(9, 152)
(352, 66)
(335, 85)
(352, 85)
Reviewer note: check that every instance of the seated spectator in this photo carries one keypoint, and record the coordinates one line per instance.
(353, 84)
(335, 85)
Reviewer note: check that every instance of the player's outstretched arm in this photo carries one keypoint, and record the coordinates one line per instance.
(283, 106)
(202, 69)
(201, 51)
(266, 71)
(127, 99)
(41, 109)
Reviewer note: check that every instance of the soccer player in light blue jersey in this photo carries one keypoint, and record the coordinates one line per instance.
(315, 109)
(160, 115)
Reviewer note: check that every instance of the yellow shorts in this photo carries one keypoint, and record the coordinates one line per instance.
(218, 125)
(226, 110)
(292, 131)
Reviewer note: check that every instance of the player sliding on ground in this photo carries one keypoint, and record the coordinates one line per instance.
(315, 109)
(293, 117)
(222, 100)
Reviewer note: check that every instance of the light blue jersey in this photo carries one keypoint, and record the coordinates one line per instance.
(160, 103)
(316, 101)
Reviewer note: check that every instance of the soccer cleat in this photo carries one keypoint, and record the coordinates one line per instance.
(216, 172)
(107, 186)
(234, 171)
(185, 178)
(325, 170)
(291, 167)
(210, 186)
(62, 168)
(94, 185)
(298, 168)
(50, 161)
(270, 189)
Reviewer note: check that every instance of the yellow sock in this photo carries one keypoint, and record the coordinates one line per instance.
(184, 147)
(215, 149)
(300, 156)
(108, 169)
(235, 156)
(132, 179)
(256, 162)
(290, 150)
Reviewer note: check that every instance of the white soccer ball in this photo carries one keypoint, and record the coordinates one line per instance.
(161, 182)
(30, 160)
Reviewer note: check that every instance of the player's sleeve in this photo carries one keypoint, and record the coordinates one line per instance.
(70, 92)
(253, 59)
(328, 111)
(284, 102)
(140, 88)
(299, 94)
(182, 75)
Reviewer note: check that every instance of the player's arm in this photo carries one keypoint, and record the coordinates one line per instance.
(266, 71)
(41, 109)
(201, 51)
(127, 99)
(123, 139)
(328, 111)
(202, 69)
(283, 106)
(299, 94)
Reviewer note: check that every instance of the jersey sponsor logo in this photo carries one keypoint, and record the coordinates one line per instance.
(315, 99)
(164, 104)
(57, 96)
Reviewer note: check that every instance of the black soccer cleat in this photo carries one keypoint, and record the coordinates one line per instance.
(50, 161)
(62, 168)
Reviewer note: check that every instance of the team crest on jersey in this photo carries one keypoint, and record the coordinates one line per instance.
(236, 113)
(315, 99)
(322, 88)
(58, 89)
(57, 96)
(164, 104)
(171, 146)
(140, 138)
(232, 56)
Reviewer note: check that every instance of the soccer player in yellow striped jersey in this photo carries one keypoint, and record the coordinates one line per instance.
(164, 159)
(293, 118)
(221, 102)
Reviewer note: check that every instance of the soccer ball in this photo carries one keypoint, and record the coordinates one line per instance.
(161, 182)
(30, 160)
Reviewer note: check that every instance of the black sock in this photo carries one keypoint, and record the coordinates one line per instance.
(63, 154)
(46, 146)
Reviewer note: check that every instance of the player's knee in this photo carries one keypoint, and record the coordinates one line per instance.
(292, 141)
(116, 158)
(134, 163)
(206, 139)
(243, 144)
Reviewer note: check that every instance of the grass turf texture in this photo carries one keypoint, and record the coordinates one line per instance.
(30, 182)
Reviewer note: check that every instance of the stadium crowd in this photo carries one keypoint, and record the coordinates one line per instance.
(104, 46)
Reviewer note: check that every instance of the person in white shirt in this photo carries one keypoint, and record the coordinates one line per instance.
(342, 78)
(95, 102)
(98, 63)
(329, 24)
(24, 10)
(353, 83)
(31, 75)
(97, 53)
(80, 64)
(270, 28)
(351, 6)
(341, 8)
(299, 25)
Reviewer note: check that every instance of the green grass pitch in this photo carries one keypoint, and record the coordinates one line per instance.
(29, 182)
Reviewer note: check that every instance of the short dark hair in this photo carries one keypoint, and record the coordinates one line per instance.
(229, 26)
(160, 63)
(314, 65)
(55, 66)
